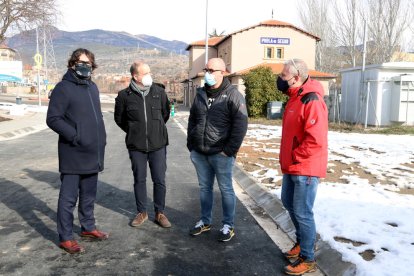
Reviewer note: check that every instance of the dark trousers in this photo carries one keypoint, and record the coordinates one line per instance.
(72, 186)
(158, 166)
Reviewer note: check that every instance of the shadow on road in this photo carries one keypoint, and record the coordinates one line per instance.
(18, 198)
(108, 196)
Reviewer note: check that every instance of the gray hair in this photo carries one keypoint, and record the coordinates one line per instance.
(298, 67)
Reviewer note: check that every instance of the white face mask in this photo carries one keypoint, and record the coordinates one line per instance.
(147, 80)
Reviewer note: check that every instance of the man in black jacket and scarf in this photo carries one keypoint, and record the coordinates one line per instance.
(142, 110)
(75, 114)
(216, 129)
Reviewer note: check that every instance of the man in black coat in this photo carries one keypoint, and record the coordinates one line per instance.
(142, 110)
(216, 129)
(75, 114)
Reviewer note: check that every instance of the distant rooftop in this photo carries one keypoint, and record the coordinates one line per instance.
(386, 65)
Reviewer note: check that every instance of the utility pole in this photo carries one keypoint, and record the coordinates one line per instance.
(38, 66)
(45, 53)
(49, 56)
(206, 42)
(363, 73)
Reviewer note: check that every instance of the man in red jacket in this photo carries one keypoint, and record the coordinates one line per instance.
(303, 157)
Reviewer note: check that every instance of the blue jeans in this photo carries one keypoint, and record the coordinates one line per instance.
(208, 167)
(298, 196)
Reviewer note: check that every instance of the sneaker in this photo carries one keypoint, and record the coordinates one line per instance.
(293, 252)
(300, 266)
(139, 219)
(94, 235)
(162, 220)
(71, 247)
(199, 228)
(226, 233)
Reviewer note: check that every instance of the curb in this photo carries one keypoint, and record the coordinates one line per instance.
(328, 259)
(21, 132)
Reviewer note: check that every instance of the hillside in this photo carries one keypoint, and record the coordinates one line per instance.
(114, 51)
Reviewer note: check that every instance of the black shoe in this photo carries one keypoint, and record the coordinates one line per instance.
(226, 233)
(199, 228)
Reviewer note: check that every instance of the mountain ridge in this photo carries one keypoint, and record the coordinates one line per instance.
(100, 36)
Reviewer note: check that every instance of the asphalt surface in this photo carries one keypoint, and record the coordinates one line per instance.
(30, 183)
(32, 99)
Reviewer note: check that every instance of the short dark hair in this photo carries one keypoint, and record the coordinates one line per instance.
(134, 67)
(74, 58)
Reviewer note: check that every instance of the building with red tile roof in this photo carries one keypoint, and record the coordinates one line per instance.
(7, 53)
(269, 43)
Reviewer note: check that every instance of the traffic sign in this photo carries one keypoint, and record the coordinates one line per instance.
(38, 60)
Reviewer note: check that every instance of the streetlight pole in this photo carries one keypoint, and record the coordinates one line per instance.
(38, 69)
(206, 42)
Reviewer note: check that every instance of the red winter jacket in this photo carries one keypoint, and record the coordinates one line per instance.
(304, 145)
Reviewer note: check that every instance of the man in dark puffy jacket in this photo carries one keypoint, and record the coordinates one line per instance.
(216, 128)
(142, 110)
(75, 114)
(303, 158)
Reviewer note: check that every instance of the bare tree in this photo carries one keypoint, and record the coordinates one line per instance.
(387, 21)
(347, 24)
(314, 15)
(24, 14)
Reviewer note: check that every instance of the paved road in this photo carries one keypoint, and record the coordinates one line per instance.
(29, 184)
(32, 99)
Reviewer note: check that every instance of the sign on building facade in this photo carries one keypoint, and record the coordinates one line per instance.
(275, 40)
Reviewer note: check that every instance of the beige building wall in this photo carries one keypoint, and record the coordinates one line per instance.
(247, 51)
(244, 49)
(197, 59)
(325, 86)
(224, 52)
(239, 83)
(7, 54)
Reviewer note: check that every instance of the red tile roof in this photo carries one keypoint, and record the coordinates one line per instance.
(278, 67)
(213, 41)
(277, 23)
(274, 23)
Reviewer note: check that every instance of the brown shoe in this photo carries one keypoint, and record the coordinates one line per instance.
(95, 235)
(139, 219)
(71, 247)
(162, 220)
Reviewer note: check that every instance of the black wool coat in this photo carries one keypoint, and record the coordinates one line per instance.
(143, 118)
(75, 114)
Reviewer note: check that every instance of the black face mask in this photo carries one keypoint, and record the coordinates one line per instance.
(282, 85)
(83, 71)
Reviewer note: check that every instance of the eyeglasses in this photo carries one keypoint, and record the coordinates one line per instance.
(294, 65)
(210, 70)
(84, 63)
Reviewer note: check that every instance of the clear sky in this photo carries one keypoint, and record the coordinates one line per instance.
(172, 19)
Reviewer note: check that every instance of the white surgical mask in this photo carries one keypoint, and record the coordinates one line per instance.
(147, 80)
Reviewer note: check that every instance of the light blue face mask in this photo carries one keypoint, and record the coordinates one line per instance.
(209, 79)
